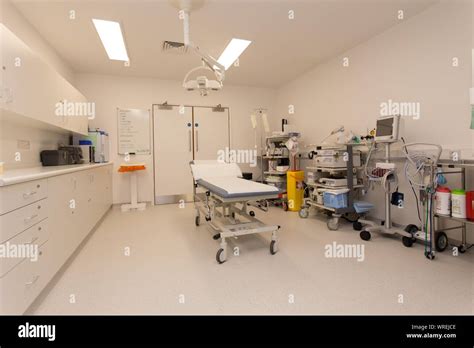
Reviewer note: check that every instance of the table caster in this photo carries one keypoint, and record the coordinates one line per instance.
(429, 255)
(220, 256)
(441, 241)
(365, 235)
(408, 241)
(273, 247)
(303, 213)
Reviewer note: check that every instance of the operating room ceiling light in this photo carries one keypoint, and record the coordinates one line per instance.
(110, 34)
(232, 52)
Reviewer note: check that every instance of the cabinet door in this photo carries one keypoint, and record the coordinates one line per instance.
(87, 202)
(76, 105)
(32, 88)
(173, 149)
(24, 79)
(211, 132)
(63, 227)
(106, 188)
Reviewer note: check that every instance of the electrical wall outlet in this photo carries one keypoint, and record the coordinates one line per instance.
(23, 144)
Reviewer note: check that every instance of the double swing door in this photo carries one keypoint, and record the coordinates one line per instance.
(182, 134)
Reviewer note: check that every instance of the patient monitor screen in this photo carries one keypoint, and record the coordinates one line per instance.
(384, 127)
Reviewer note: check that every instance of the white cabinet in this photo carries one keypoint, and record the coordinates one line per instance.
(32, 88)
(79, 200)
(56, 214)
(19, 195)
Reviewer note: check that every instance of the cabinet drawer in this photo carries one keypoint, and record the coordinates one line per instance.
(19, 195)
(23, 284)
(35, 236)
(21, 219)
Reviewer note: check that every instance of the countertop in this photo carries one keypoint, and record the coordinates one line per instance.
(16, 176)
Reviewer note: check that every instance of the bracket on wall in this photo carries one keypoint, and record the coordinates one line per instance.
(165, 106)
(218, 108)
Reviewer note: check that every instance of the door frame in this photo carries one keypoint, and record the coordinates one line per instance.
(178, 197)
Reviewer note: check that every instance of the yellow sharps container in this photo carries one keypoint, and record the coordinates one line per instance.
(295, 189)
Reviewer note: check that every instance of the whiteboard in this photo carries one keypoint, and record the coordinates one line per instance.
(133, 131)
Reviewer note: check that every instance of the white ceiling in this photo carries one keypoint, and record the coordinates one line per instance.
(281, 48)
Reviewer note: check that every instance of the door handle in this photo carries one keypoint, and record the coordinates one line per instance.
(28, 194)
(33, 281)
(189, 141)
(29, 218)
(34, 239)
(197, 141)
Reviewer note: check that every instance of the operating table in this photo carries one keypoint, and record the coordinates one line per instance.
(224, 199)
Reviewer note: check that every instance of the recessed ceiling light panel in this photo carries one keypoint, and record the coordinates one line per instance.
(232, 52)
(110, 34)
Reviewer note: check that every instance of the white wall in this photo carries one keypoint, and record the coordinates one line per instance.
(38, 140)
(410, 62)
(110, 92)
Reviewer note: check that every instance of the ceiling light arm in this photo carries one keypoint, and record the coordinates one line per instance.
(208, 60)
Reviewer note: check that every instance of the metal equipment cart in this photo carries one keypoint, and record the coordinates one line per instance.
(441, 240)
(276, 154)
(349, 172)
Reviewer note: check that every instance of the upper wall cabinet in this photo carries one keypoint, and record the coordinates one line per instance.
(32, 88)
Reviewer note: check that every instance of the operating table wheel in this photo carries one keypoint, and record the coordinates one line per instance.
(273, 247)
(365, 235)
(219, 256)
(197, 221)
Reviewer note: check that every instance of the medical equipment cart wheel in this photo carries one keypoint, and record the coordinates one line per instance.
(462, 249)
(220, 256)
(357, 226)
(333, 223)
(273, 247)
(284, 206)
(365, 235)
(197, 220)
(429, 255)
(411, 229)
(303, 213)
(252, 213)
(441, 241)
(408, 241)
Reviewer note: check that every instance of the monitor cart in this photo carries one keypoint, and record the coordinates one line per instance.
(349, 171)
(276, 154)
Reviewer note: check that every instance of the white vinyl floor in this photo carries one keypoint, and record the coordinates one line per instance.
(171, 269)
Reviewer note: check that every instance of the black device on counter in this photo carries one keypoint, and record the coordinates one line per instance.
(63, 156)
(74, 154)
(54, 157)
